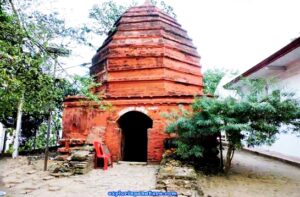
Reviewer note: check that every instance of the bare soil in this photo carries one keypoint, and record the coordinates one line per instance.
(254, 176)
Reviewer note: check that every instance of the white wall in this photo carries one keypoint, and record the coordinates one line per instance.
(288, 80)
(287, 144)
(9, 138)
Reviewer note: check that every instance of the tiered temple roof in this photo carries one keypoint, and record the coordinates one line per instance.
(147, 54)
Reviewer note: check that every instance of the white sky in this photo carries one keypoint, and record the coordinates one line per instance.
(232, 34)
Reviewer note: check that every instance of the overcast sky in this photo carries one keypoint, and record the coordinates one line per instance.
(232, 34)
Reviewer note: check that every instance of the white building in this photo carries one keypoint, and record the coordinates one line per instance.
(284, 67)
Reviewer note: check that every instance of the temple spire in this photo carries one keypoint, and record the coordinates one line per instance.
(148, 2)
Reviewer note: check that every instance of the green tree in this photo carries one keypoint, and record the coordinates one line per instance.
(24, 85)
(211, 79)
(29, 57)
(255, 118)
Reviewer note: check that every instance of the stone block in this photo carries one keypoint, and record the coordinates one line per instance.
(80, 155)
(173, 176)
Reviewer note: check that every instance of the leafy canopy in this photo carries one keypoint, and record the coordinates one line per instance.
(254, 118)
(31, 43)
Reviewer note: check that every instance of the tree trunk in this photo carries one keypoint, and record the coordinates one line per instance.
(34, 139)
(4, 142)
(47, 142)
(229, 156)
(221, 153)
(18, 128)
(49, 126)
(12, 5)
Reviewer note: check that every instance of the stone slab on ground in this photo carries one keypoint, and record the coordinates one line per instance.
(173, 176)
(79, 162)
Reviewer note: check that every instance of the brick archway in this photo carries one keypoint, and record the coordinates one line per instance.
(134, 143)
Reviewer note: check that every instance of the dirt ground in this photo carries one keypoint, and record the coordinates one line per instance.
(254, 176)
(251, 176)
(20, 179)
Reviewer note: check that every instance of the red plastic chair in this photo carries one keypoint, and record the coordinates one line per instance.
(102, 154)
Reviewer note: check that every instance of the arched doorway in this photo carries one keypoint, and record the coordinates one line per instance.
(134, 126)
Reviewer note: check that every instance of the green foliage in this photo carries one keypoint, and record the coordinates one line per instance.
(193, 130)
(211, 79)
(105, 16)
(255, 118)
(86, 87)
(39, 140)
(85, 84)
(30, 44)
(165, 7)
(20, 71)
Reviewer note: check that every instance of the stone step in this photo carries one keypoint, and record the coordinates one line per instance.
(132, 162)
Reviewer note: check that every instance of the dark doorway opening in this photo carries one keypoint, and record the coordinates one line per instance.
(134, 127)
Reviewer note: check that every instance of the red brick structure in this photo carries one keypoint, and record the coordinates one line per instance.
(147, 66)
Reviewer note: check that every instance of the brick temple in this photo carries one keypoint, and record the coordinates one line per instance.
(147, 66)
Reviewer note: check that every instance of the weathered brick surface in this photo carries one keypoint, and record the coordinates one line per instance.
(148, 64)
